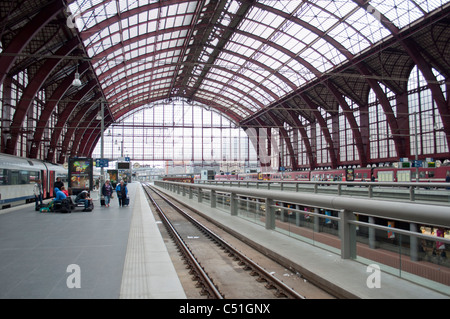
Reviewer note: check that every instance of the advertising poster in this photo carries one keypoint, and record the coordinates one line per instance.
(113, 176)
(81, 173)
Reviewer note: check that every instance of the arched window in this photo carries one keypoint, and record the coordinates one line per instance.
(380, 136)
(179, 134)
(425, 121)
(348, 151)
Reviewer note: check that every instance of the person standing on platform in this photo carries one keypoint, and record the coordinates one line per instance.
(58, 184)
(107, 191)
(37, 190)
(122, 192)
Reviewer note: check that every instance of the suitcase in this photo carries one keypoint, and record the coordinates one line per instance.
(39, 206)
(126, 201)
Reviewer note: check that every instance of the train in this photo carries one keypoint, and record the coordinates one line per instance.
(179, 179)
(376, 174)
(18, 176)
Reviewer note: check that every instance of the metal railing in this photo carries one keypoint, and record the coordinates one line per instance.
(410, 191)
(435, 215)
(268, 207)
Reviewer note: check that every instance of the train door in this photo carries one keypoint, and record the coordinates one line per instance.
(51, 183)
(44, 181)
(385, 176)
(404, 176)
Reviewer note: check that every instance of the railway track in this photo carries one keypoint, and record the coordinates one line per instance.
(220, 270)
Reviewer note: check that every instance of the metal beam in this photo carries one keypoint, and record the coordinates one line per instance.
(32, 89)
(49, 107)
(25, 35)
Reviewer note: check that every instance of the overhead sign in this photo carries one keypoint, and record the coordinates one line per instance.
(101, 162)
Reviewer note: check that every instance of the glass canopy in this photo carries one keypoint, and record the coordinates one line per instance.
(236, 56)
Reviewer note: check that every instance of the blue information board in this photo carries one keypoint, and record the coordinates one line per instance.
(101, 162)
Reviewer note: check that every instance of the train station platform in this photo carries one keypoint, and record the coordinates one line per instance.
(110, 253)
(345, 277)
(118, 252)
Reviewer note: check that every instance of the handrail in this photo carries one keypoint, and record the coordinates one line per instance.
(436, 215)
(381, 184)
(426, 192)
(347, 207)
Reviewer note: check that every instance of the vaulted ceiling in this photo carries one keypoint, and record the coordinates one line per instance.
(261, 63)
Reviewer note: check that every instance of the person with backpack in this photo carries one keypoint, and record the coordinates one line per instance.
(122, 193)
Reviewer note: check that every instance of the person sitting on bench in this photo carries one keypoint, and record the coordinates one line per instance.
(59, 195)
(83, 197)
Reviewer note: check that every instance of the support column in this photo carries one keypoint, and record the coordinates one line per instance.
(347, 233)
(372, 241)
(270, 214)
(213, 199)
(414, 243)
(233, 204)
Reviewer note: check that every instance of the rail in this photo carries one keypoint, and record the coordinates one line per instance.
(273, 282)
(203, 278)
(234, 199)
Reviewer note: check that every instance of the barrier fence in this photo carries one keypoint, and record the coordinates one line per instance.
(406, 236)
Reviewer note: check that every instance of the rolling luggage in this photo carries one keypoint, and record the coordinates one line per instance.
(39, 206)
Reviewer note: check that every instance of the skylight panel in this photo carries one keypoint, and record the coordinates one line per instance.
(293, 76)
(430, 5)
(172, 10)
(133, 20)
(252, 74)
(278, 55)
(275, 85)
(114, 27)
(400, 12)
(261, 96)
(219, 78)
(133, 32)
(323, 49)
(170, 22)
(241, 83)
(316, 17)
(339, 8)
(269, 61)
(262, 31)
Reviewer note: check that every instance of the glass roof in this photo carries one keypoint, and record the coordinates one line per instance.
(227, 55)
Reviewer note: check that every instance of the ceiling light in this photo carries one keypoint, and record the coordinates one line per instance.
(76, 81)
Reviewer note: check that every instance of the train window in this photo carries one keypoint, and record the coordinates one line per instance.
(431, 174)
(13, 177)
(24, 177)
(4, 180)
(34, 176)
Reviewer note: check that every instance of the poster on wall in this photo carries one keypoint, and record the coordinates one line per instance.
(80, 174)
(113, 176)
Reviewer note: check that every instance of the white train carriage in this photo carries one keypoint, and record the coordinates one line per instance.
(18, 176)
